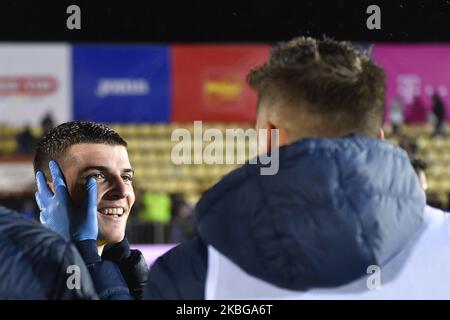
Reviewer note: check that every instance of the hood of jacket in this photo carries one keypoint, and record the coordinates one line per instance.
(335, 207)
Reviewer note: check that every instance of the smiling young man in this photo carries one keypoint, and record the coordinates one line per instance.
(84, 150)
(110, 167)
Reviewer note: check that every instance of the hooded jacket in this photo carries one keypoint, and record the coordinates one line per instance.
(336, 209)
(36, 263)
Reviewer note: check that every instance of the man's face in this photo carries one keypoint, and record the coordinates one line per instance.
(111, 168)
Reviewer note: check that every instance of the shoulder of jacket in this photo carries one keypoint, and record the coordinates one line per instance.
(180, 273)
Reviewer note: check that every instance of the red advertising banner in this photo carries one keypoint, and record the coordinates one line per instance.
(209, 82)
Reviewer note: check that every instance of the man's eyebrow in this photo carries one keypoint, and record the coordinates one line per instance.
(103, 168)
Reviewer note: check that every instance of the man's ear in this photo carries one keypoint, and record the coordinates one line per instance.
(270, 143)
(48, 179)
(280, 136)
(380, 134)
(263, 140)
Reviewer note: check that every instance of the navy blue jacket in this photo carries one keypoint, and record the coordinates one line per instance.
(119, 274)
(335, 207)
(35, 262)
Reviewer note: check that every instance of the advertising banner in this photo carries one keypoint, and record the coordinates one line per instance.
(209, 82)
(121, 84)
(34, 82)
(414, 73)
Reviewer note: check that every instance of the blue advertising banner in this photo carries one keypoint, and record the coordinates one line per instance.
(121, 83)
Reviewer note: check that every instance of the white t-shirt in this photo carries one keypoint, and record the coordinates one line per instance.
(420, 271)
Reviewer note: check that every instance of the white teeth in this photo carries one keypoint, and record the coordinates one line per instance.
(113, 211)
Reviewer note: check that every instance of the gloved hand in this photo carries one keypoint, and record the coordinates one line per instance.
(132, 265)
(59, 213)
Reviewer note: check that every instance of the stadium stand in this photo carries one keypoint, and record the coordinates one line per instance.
(150, 149)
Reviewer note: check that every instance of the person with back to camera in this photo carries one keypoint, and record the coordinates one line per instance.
(343, 204)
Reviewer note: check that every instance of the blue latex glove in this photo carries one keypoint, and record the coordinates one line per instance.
(59, 213)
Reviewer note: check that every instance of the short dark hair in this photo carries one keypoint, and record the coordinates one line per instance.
(55, 142)
(331, 81)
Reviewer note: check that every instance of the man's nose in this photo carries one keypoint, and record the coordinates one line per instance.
(118, 189)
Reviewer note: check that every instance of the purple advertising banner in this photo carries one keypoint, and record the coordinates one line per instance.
(414, 73)
(152, 252)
